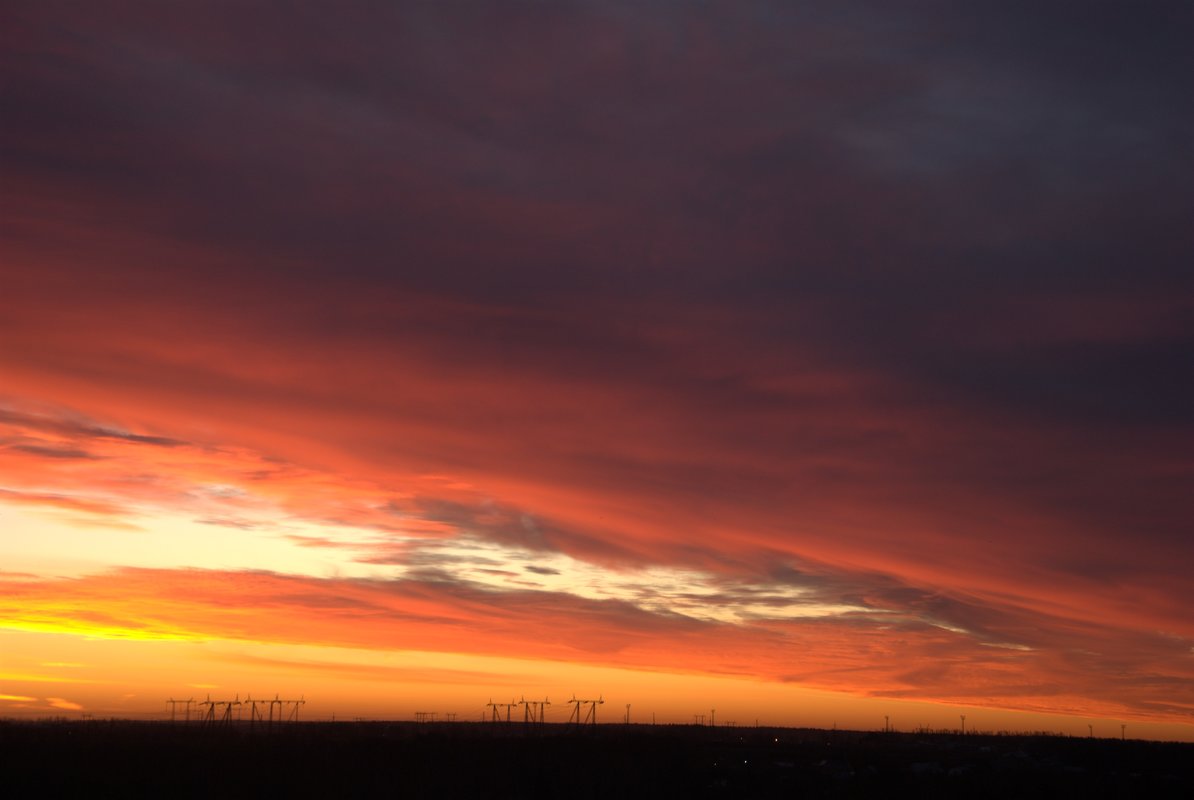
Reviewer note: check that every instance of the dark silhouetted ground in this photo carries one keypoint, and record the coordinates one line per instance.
(448, 760)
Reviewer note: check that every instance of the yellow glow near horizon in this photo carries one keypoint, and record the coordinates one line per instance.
(394, 684)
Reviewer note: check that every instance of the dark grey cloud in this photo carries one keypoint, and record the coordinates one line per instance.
(71, 425)
(52, 452)
(493, 521)
(541, 570)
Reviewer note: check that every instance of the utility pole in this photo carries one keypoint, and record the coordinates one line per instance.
(1123, 733)
(627, 720)
(886, 724)
(963, 724)
(1091, 729)
(713, 718)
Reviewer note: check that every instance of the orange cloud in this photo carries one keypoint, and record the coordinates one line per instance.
(837, 598)
(1068, 667)
(64, 705)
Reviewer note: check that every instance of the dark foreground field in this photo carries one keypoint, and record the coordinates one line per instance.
(441, 760)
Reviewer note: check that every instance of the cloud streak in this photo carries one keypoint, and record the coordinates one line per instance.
(1054, 665)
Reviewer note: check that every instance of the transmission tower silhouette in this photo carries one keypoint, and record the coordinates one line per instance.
(174, 707)
(226, 717)
(209, 717)
(533, 711)
(495, 706)
(255, 714)
(294, 708)
(590, 715)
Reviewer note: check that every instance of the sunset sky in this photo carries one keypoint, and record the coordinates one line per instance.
(813, 362)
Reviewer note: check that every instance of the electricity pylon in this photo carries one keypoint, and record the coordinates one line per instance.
(591, 717)
(574, 714)
(174, 707)
(255, 715)
(531, 714)
(496, 717)
(528, 711)
(226, 717)
(209, 718)
(294, 711)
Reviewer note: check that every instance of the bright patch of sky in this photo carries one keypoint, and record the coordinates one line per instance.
(55, 543)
